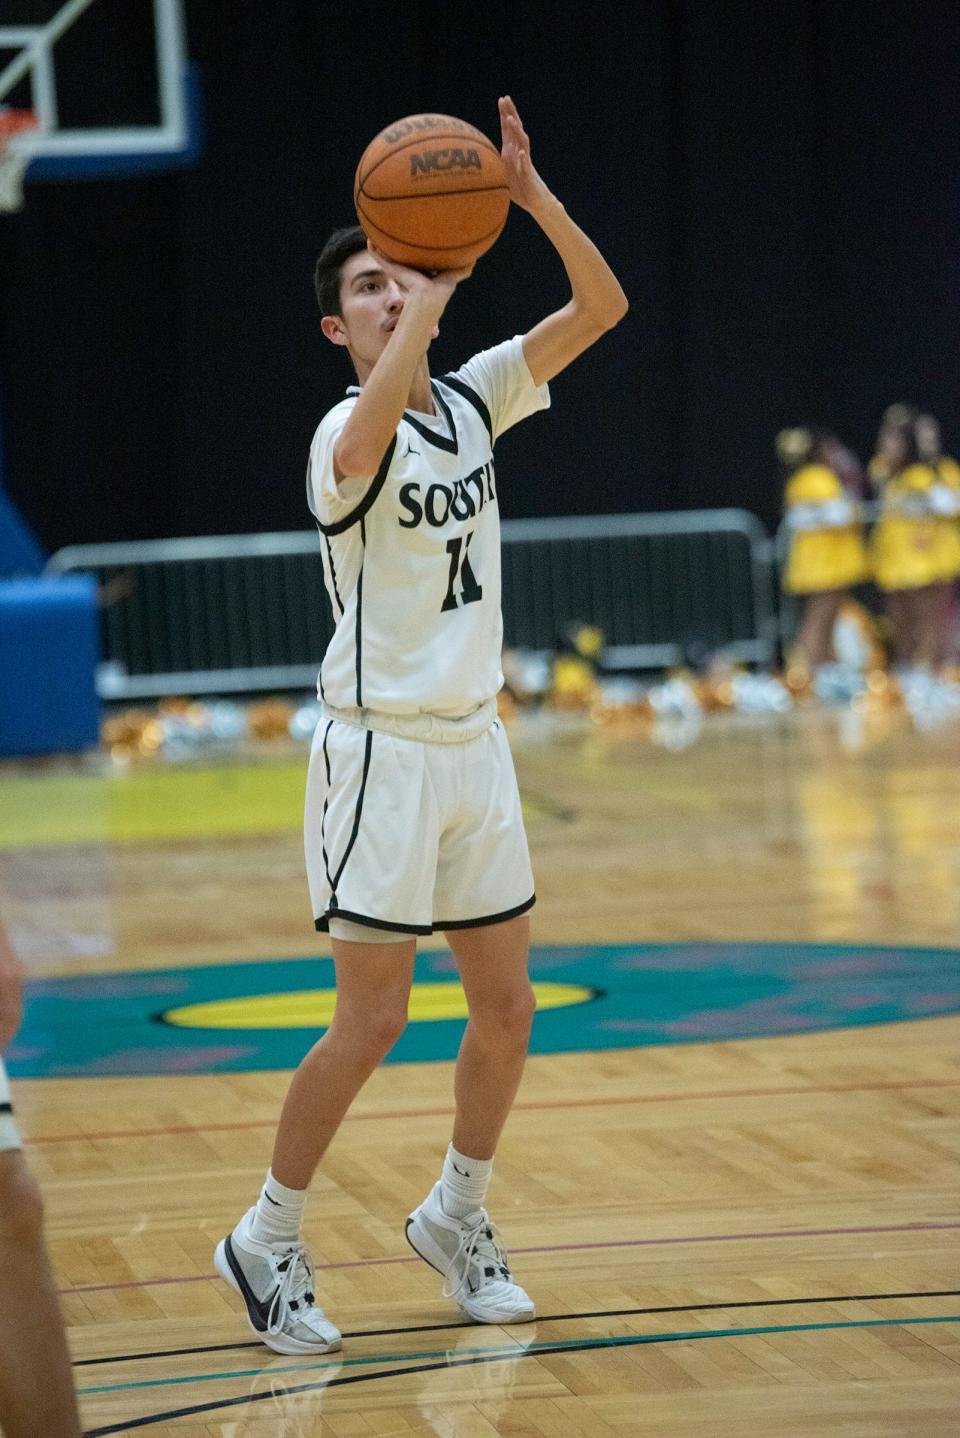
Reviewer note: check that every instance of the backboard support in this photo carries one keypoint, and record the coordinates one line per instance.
(30, 77)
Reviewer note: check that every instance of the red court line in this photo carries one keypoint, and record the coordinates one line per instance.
(557, 1248)
(173, 1129)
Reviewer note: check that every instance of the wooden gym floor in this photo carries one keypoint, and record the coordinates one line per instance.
(731, 1180)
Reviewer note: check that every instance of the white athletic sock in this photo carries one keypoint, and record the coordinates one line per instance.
(279, 1212)
(463, 1183)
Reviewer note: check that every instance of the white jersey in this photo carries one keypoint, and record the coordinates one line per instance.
(411, 558)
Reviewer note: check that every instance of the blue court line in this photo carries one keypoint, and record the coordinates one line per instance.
(520, 1350)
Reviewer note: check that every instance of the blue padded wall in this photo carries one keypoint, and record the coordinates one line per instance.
(49, 651)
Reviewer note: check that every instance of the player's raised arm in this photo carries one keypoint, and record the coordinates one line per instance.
(597, 301)
(389, 314)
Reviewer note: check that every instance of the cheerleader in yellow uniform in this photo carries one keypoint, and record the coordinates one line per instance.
(878, 470)
(907, 545)
(827, 554)
(945, 498)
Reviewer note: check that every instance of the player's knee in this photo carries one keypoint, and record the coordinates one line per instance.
(509, 1018)
(520, 1012)
(382, 1027)
(21, 1204)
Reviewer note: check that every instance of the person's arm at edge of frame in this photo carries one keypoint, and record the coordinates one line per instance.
(597, 301)
(11, 986)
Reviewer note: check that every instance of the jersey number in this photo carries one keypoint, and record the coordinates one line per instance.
(470, 590)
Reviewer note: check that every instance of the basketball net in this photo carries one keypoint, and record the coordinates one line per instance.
(14, 159)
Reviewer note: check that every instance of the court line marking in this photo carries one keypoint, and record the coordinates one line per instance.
(543, 1350)
(543, 1318)
(694, 1096)
(555, 1248)
(331, 1361)
(364, 1361)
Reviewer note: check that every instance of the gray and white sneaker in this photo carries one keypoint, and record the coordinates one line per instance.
(275, 1281)
(474, 1266)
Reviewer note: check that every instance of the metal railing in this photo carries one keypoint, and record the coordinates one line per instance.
(247, 613)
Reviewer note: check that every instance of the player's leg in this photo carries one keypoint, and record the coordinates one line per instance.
(373, 995)
(451, 1229)
(484, 893)
(36, 1387)
(264, 1258)
(365, 791)
(493, 970)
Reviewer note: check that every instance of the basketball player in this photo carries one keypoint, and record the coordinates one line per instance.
(413, 818)
(36, 1389)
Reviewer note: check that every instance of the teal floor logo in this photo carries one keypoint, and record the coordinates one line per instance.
(264, 1015)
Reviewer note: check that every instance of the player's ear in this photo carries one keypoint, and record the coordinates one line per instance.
(332, 327)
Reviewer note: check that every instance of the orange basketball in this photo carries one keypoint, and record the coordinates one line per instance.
(431, 192)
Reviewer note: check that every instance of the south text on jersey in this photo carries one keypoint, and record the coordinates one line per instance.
(463, 500)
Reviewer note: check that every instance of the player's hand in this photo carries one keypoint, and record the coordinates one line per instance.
(11, 981)
(526, 187)
(426, 295)
(437, 286)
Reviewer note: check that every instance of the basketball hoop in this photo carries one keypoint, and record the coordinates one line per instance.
(14, 158)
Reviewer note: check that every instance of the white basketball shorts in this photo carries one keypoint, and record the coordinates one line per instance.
(9, 1138)
(411, 836)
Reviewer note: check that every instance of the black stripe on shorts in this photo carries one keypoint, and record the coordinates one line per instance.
(487, 918)
(322, 925)
(367, 751)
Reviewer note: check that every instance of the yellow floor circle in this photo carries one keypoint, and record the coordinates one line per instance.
(313, 1008)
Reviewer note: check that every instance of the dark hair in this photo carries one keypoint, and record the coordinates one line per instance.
(334, 255)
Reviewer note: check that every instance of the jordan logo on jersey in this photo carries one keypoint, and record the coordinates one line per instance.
(463, 500)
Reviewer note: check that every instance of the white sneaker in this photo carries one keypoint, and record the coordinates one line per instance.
(474, 1266)
(275, 1281)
